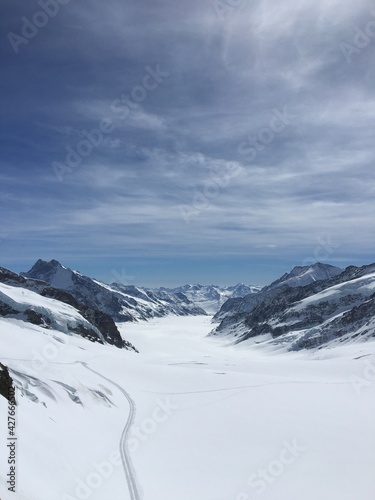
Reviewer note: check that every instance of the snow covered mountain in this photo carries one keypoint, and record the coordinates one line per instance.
(122, 303)
(340, 308)
(304, 275)
(212, 297)
(299, 276)
(34, 303)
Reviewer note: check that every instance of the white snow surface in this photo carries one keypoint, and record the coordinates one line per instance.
(63, 278)
(209, 418)
(364, 287)
(61, 316)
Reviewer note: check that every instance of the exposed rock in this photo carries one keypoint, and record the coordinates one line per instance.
(6, 385)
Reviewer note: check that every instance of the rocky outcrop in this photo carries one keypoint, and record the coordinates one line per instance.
(6, 385)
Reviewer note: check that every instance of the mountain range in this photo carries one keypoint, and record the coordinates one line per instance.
(53, 297)
(212, 297)
(310, 307)
(122, 302)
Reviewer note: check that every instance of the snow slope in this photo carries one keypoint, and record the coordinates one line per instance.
(189, 417)
(60, 316)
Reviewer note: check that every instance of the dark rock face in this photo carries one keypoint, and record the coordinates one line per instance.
(6, 384)
(300, 276)
(357, 318)
(6, 310)
(8, 277)
(35, 318)
(100, 320)
(307, 316)
(105, 323)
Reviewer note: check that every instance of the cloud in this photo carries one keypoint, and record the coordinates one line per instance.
(226, 79)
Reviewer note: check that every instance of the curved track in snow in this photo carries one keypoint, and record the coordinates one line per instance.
(125, 457)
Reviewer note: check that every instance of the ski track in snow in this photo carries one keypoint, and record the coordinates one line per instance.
(125, 457)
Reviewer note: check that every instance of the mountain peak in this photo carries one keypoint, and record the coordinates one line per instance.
(43, 264)
(55, 263)
(304, 275)
(321, 265)
(52, 272)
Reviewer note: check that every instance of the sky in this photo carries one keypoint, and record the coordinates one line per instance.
(175, 141)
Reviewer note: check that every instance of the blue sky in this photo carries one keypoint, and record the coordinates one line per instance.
(187, 141)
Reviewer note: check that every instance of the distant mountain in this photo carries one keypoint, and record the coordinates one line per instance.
(299, 276)
(304, 275)
(35, 302)
(122, 303)
(212, 297)
(339, 308)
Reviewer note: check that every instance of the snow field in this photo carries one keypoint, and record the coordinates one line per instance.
(212, 421)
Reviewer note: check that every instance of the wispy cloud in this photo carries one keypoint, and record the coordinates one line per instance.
(226, 78)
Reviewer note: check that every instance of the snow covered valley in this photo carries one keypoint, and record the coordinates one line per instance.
(189, 417)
